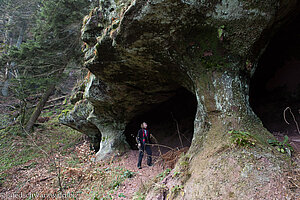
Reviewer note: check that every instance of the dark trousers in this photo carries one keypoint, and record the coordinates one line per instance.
(141, 154)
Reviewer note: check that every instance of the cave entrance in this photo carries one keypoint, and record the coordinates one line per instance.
(163, 119)
(275, 84)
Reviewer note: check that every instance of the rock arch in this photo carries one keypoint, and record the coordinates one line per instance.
(142, 52)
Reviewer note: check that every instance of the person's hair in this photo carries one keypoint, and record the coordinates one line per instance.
(142, 124)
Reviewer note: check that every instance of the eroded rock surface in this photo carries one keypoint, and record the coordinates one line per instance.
(142, 51)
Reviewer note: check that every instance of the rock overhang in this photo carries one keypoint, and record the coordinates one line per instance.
(141, 52)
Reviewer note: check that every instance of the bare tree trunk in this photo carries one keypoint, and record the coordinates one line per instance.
(39, 108)
(11, 67)
(8, 43)
(21, 35)
(4, 90)
(23, 111)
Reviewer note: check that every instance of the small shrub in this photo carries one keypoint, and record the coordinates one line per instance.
(115, 184)
(184, 163)
(177, 188)
(240, 138)
(121, 195)
(128, 174)
(162, 175)
(110, 179)
(175, 191)
(283, 147)
(176, 174)
(139, 196)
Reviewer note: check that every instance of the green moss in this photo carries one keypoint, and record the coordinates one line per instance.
(64, 113)
(204, 49)
(220, 31)
(15, 150)
(10, 158)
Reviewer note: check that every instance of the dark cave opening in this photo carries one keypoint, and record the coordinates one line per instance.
(95, 141)
(275, 84)
(163, 119)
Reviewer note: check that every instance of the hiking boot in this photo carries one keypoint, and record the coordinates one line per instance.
(139, 167)
(150, 164)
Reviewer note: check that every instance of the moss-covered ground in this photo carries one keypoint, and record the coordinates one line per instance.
(54, 161)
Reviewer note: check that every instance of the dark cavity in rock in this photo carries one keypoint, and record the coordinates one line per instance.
(163, 119)
(275, 84)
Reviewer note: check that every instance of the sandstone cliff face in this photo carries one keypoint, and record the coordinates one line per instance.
(142, 51)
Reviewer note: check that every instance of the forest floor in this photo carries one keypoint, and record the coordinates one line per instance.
(56, 161)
